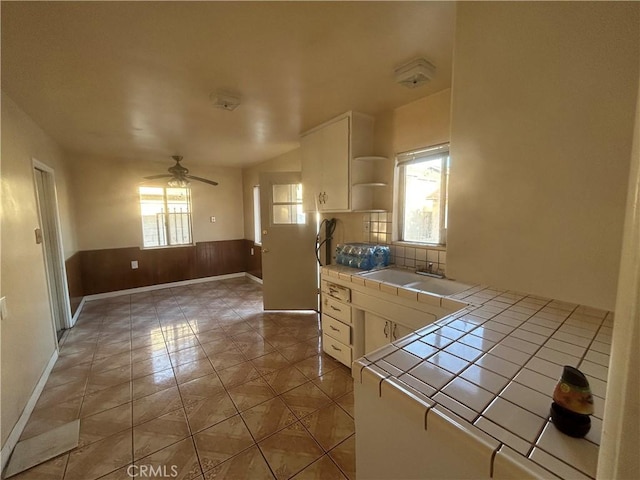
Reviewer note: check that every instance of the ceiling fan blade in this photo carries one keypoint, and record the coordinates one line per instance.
(153, 177)
(200, 179)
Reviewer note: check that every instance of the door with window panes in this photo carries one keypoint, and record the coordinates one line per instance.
(289, 267)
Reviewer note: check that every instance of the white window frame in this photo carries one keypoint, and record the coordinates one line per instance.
(167, 235)
(418, 156)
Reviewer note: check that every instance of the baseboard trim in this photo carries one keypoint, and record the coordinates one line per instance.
(76, 315)
(160, 286)
(254, 278)
(14, 436)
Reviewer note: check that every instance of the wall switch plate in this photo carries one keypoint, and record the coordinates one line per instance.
(134, 264)
(4, 312)
(212, 219)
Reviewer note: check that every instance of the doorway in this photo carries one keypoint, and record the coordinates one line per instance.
(50, 236)
(289, 266)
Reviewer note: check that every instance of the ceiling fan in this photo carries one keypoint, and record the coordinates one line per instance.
(179, 175)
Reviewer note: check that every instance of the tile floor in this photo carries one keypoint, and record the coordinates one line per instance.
(197, 382)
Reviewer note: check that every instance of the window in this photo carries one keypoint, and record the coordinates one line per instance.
(166, 216)
(423, 180)
(287, 204)
(257, 225)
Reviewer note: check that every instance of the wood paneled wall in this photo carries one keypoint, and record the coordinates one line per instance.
(98, 271)
(254, 262)
(74, 281)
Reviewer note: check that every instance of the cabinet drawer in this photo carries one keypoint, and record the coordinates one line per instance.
(336, 349)
(336, 291)
(336, 309)
(338, 330)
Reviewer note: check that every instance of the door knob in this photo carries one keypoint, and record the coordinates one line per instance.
(265, 250)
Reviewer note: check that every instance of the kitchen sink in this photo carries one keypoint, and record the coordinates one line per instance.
(409, 279)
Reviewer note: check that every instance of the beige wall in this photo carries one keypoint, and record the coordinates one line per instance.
(28, 338)
(422, 123)
(418, 124)
(543, 101)
(107, 207)
(288, 162)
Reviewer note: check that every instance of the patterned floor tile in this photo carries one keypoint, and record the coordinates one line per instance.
(305, 399)
(155, 405)
(336, 383)
(158, 433)
(104, 424)
(190, 371)
(329, 426)
(290, 450)
(267, 418)
(100, 458)
(251, 393)
(249, 464)
(323, 469)
(238, 374)
(205, 412)
(178, 461)
(285, 379)
(156, 382)
(345, 456)
(221, 442)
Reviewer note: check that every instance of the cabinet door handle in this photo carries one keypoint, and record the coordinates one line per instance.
(386, 329)
(395, 326)
(334, 328)
(336, 348)
(335, 308)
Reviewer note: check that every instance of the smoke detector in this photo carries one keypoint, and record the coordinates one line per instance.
(415, 73)
(224, 100)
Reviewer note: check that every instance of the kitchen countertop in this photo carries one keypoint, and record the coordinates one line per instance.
(495, 363)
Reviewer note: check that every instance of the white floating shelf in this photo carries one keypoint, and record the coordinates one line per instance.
(370, 184)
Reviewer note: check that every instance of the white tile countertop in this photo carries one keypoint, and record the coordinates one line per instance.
(495, 364)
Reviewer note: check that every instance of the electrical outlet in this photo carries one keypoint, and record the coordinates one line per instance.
(4, 312)
(212, 219)
(251, 250)
(367, 227)
(134, 264)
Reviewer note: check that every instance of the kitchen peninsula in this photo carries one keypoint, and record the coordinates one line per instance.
(468, 395)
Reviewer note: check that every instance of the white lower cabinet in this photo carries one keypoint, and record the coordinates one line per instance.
(379, 331)
(337, 337)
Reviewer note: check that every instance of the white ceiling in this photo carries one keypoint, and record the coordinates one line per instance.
(132, 79)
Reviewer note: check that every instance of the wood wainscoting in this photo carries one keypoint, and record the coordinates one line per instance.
(254, 260)
(109, 270)
(73, 268)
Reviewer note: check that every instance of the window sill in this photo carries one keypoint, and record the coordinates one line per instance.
(431, 246)
(169, 246)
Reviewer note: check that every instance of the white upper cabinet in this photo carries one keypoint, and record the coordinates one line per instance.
(328, 169)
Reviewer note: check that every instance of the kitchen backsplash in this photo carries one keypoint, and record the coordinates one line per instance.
(377, 228)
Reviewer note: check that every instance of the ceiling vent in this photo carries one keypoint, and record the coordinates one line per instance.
(225, 101)
(415, 73)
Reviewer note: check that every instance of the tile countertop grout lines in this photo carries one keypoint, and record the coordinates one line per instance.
(500, 314)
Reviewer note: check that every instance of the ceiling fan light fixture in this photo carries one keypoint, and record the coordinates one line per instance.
(178, 183)
(415, 73)
(224, 100)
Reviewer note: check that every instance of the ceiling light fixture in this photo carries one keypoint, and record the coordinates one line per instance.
(415, 73)
(224, 100)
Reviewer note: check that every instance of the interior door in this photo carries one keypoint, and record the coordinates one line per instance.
(289, 266)
(52, 247)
